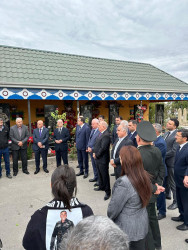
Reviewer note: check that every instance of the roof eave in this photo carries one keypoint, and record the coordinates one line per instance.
(76, 87)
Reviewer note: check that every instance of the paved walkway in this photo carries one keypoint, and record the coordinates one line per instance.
(23, 195)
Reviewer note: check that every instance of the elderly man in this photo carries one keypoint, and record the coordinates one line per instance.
(180, 175)
(19, 135)
(92, 138)
(153, 164)
(82, 138)
(4, 150)
(122, 140)
(40, 146)
(132, 131)
(161, 144)
(172, 146)
(61, 136)
(97, 232)
(102, 156)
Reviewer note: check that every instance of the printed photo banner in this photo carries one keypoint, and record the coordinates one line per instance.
(50, 94)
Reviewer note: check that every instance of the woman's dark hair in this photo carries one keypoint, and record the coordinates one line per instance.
(63, 182)
(132, 166)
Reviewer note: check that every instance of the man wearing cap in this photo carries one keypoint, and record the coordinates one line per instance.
(153, 164)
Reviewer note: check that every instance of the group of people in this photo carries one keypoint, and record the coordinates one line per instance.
(19, 135)
(146, 167)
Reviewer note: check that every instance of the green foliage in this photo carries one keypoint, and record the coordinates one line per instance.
(29, 151)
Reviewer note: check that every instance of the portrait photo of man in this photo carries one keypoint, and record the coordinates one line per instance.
(60, 231)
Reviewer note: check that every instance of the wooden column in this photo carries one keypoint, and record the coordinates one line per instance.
(78, 109)
(29, 116)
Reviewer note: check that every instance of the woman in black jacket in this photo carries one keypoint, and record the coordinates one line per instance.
(50, 225)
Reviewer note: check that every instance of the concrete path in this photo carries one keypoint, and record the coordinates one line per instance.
(21, 196)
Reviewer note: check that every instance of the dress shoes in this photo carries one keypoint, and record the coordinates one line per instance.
(106, 197)
(177, 219)
(161, 216)
(113, 174)
(186, 240)
(46, 170)
(85, 176)
(96, 184)
(15, 173)
(172, 206)
(9, 176)
(80, 173)
(182, 227)
(93, 180)
(25, 172)
(37, 171)
(97, 189)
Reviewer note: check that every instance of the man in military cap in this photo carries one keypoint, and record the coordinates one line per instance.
(153, 164)
(61, 230)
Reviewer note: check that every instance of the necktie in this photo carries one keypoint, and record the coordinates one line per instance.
(20, 131)
(40, 132)
(167, 135)
(92, 133)
(116, 147)
(60, 130)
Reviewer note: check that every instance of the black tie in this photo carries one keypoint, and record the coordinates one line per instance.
(167, 135)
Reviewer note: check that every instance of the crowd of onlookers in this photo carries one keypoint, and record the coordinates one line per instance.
(148, 167)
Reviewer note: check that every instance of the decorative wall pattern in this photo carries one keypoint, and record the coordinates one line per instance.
(38, 94)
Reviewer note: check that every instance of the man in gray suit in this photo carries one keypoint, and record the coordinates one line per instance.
(19, 135)
(122, 140)
(172, 146)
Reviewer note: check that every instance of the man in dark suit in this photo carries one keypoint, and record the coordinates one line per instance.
(40, 146)
(92, 138)
(101, 154)
(153, 164)
(61, 136)
(82, 138)
(161, 144)
(118, 119)
(122, 140)
(180, 175)
(19, 135)
(132, 131)
(172, 146)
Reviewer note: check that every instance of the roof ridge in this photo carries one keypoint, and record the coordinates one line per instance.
(61, 53)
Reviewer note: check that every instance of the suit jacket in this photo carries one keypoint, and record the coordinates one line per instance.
(82, 137)
(125, 142)
(133, 138)
(114, 134)
(15, 137)
(92, 139)
(181, 166)
(43, 138)
(102, 148)
(172, 146)
(161, 144)
(153, 164)
(64, 136)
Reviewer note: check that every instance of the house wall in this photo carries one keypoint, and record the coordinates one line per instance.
(22, 105)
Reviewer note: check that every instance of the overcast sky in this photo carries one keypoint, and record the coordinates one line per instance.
(147, 31)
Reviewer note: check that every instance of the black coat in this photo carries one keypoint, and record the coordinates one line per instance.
(181, 166)
(153, 164)
(64, 136)
(102, 148)
(125, 142)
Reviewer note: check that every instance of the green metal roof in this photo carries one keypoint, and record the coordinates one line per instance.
(29, 68)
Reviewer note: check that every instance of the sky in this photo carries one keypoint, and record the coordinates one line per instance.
(154, 31)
